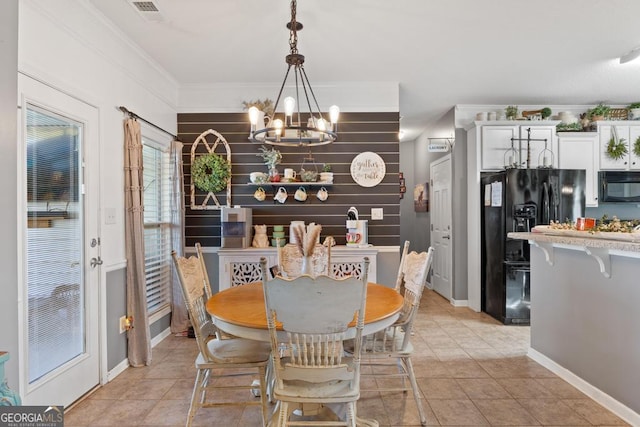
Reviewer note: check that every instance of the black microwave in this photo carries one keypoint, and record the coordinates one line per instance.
(619, 186)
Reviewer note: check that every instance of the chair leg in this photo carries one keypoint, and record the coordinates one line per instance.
(262, 372)
(270, 380)
(197, 394)
(283, 416)
(416, 391)
(351, 414)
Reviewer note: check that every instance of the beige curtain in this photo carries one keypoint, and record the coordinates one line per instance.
(139, 338)
(179, 315)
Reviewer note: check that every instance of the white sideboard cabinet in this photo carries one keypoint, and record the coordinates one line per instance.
(241, 266)
(579, 150)
(630, 133)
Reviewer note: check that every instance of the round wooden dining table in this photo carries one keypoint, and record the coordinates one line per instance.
(240, 310)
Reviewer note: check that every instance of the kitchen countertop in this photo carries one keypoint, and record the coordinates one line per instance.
(582, 239)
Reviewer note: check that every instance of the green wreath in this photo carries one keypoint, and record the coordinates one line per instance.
(210, 172)
(636, 147)
(617, 150)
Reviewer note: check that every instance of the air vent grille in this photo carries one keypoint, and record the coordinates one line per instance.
(145, 6)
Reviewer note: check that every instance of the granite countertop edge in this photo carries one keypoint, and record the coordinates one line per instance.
(589, 242)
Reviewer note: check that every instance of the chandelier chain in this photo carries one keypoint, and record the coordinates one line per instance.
(293, 34)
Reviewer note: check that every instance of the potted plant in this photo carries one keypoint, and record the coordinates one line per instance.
(545, 112)
(271, 157)
(326, 175)
(210, 172)
(599, 112)
(634, 111)
(511, 112)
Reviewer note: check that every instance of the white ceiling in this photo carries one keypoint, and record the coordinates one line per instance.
(441, 52)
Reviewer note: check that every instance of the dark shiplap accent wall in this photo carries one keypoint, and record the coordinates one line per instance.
(358, 132)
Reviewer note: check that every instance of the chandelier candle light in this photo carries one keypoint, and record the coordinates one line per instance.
(293, 130)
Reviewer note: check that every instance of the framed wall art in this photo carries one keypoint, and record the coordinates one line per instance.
(368, 169)
(421, 197)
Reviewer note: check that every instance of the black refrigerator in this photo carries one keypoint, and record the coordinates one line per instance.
(518, 200)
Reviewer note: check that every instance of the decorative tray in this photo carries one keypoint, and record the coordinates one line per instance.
(605, 235)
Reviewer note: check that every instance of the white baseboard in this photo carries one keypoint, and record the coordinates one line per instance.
(122, 366)
(621, 410)
(459, 302)
(158, 338)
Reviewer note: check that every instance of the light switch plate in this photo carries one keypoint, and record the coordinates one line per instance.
(109, 216)
(377, 213)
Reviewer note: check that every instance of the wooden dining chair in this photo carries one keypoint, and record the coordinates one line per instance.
(394, 343)
(290, 260)
(219, 359)
(316, 315)
(207, 283)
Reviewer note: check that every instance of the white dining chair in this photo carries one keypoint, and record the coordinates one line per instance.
(310, 364)
(219, 359)
(394, 343)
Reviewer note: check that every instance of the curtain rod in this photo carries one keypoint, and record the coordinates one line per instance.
(137, 117)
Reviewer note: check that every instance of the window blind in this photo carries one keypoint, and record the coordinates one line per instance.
(157, 226)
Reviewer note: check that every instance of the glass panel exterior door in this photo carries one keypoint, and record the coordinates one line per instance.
(54, 246)
(59, 246)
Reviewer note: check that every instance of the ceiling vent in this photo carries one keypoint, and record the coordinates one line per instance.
(148, 10)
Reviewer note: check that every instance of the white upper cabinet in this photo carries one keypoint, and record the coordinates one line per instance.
(629, 136)
(528, 148)
(579, 150)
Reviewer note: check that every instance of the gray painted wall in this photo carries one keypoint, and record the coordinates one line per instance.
(586, 323)
(416, 159)
(116, 306)
(407, 214)
(459, 208)
(8, 185)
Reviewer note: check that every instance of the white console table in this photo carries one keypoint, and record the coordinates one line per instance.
(241, 266)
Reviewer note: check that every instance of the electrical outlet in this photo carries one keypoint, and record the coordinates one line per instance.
(126, 323)
(377, 213)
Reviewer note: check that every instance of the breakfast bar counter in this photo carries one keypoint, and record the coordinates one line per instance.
(585, 291)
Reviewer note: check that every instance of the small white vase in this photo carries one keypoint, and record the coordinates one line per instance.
(307, 264)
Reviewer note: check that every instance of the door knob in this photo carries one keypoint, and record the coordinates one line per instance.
(446, 236)
(95, 261)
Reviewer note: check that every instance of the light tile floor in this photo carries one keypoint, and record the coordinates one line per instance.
(471, 370)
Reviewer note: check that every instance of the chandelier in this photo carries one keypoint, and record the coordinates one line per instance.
(299, 128)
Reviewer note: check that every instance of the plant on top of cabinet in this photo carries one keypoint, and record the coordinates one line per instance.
(511, 112)
(617, 149)
(265, 106)
(546, 112)
(599, 112)
(634, 111)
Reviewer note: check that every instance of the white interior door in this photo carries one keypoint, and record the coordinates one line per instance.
(60, 332)
(441, 231)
